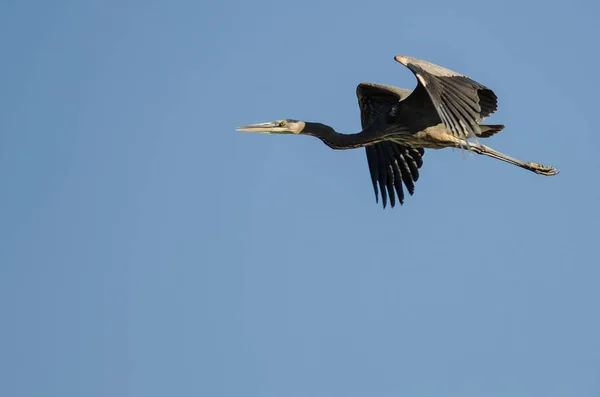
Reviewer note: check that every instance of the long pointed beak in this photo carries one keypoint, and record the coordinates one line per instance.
(261, 127)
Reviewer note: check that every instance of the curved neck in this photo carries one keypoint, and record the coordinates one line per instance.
(335, 140)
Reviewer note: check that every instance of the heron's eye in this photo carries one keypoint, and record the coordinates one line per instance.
(281, 123)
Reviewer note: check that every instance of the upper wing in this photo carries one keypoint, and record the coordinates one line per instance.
(390, 164)
(460, 102)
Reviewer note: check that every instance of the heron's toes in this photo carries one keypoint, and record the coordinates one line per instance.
(543, 169)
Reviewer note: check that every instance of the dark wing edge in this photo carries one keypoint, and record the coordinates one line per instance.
(391, 165)
(460, 102)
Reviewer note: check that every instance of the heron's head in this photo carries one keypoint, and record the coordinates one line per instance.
(287, 126)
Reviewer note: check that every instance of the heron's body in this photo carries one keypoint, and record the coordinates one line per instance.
(434, 137)
(446, 109)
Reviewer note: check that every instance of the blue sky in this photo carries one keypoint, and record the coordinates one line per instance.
(147, 249)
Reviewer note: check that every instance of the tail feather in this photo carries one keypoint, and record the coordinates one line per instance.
(487, 130)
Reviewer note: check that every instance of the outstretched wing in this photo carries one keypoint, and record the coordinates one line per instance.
(390, 164)
(460, 102)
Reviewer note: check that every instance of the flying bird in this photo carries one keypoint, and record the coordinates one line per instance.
(445, 109)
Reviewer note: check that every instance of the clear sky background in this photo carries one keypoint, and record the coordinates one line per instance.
(148, 249)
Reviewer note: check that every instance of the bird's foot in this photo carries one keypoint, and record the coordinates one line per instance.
(542, 169)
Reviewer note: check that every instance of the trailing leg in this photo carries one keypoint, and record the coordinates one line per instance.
(534, 167)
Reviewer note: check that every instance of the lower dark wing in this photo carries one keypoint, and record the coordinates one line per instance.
(460, 102)
(392, 165)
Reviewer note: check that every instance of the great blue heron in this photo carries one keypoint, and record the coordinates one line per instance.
(444, 110)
